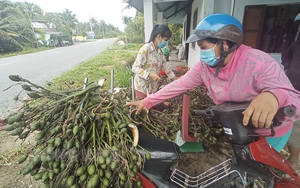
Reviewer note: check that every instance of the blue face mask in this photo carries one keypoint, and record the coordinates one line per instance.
(162, 44)
(209, 57)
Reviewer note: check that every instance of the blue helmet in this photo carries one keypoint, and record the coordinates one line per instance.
(219, 26)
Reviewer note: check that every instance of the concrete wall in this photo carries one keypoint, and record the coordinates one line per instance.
(222, 6)
(194, 54)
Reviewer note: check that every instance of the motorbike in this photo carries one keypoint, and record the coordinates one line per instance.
(255, 164)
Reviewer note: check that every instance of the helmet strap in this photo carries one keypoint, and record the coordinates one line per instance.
(223, 55)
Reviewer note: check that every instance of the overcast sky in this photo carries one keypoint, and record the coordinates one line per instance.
(107, 10)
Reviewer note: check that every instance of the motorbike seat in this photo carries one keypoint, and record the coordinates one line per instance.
(159, 149)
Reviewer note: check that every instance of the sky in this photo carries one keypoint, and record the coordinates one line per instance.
(108, 10)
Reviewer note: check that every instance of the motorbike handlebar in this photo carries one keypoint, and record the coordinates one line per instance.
(288, 111)
(214, 113)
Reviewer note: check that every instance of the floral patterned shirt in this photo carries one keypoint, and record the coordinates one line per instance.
(149, 61)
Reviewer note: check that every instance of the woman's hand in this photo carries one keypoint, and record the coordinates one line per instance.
(138, 104)
(155, 77)
(261, 110)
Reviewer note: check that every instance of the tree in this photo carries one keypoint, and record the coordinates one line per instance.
(135, 28)
(31, 10)
(177, 32)
(68, 19)
(15, 28)
(82, 28)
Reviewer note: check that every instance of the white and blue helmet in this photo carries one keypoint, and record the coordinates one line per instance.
(219, 26)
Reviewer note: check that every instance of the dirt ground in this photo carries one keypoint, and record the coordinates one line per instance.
(194, 164)
(10, 152)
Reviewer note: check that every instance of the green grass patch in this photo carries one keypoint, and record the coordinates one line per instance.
(100, 67)
(25, 51)
(130, 46)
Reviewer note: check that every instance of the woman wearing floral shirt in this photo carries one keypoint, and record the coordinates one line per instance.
(149, 61)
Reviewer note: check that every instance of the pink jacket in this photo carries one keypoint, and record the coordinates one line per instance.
(249, 73)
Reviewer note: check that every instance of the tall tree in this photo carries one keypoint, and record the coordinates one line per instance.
(31, 10)
(68, 19)
(134, 29)
(15, 32)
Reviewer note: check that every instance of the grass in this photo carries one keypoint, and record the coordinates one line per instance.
(132, 47)
(117, 58)
(25, 51)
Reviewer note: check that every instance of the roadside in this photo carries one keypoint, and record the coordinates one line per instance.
(26, 51)
(12, 148)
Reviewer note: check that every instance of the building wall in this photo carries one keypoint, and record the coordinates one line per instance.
(78, 38)
(223, 6)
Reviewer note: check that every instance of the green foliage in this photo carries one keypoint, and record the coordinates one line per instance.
(15, 28)
(131, 46)
(177, 32)
(134, 29)
(112, 34)
(123, 78)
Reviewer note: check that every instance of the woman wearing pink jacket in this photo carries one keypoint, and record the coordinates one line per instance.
(233, 72)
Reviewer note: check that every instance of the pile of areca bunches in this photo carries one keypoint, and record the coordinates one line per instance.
(202, 128)
(88, 137)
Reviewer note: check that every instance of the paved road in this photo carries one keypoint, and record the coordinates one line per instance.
(43, 66)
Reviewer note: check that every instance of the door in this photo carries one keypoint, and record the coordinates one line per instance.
(252, 24)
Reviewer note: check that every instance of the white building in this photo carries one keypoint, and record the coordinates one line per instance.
(47, 32)
(268, 24)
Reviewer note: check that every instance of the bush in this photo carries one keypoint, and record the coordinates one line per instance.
(134, 39)
(112, 34)
(131, 46)
(123, 78)
(176, 41)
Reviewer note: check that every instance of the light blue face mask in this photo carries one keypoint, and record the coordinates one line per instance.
(162, 44)
(209, 57)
